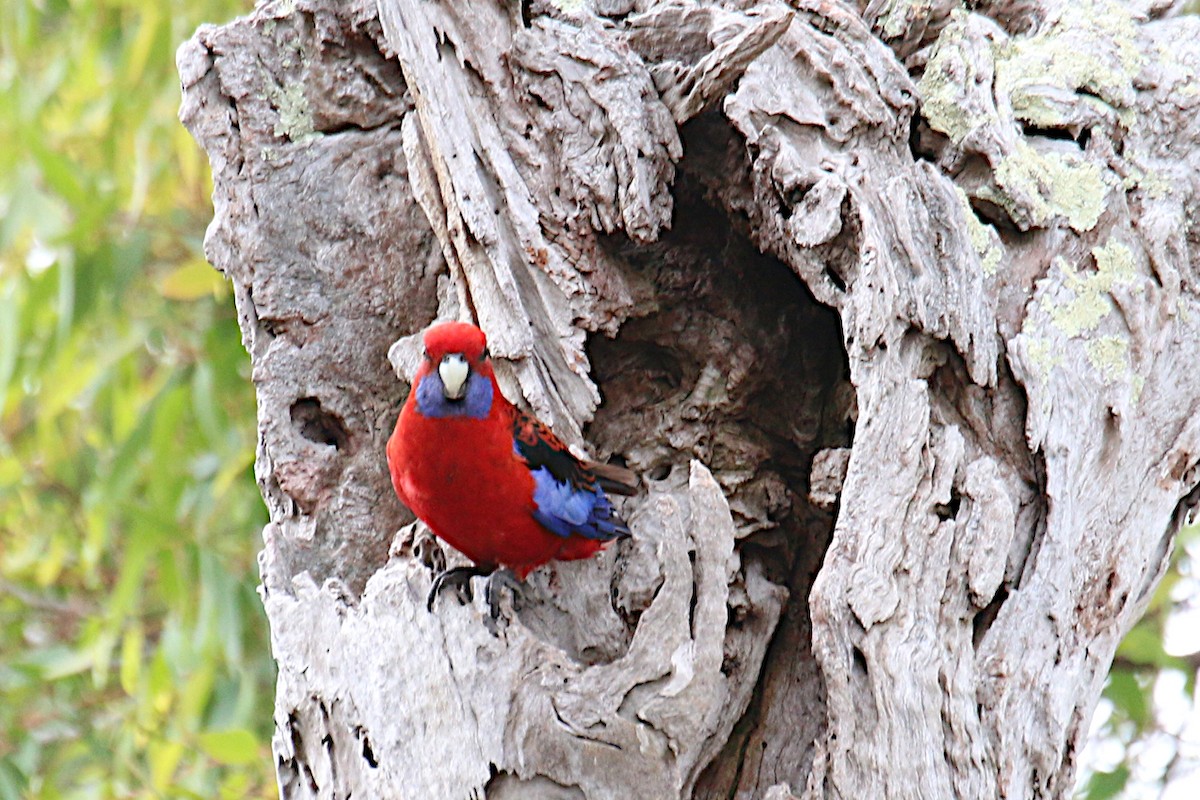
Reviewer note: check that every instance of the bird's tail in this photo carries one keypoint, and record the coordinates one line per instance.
(614, 479)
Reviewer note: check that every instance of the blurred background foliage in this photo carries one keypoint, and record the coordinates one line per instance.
(1145, 735)
(134, 659)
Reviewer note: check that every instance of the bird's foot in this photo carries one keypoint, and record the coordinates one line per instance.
(493, 588)
(460, 579)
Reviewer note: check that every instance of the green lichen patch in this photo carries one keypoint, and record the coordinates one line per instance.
(1155, 184)
(949, 73)
(1042, 355)
(1090, 48)
(1114, 263)
(1109, 355)
(1051, 184)
(1080, 316)
(1091, 304)
(295, 115)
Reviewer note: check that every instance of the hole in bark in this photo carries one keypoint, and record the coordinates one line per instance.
(318, 425)
(327, 742)
(984, 619)
(924, 142)
(298, 748)
(860, 661)
(991, 214)
(1110, 444)
(835, 279)
(659, 473)
(287, 775)
(730, 360)
(729, 663)
(539, 102)
(695, 596)
(1059, 134)
(796, 195)
(946, 511)
(733, 362)
(367, 753)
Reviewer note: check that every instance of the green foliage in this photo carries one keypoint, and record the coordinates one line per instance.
(1144, 750)
(1104, 785)
(135, 659)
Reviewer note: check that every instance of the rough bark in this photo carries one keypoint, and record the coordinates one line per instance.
(892, 305)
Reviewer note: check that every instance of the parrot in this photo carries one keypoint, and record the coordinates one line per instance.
(487, 478)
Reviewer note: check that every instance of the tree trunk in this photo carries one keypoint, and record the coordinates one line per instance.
(893, 308)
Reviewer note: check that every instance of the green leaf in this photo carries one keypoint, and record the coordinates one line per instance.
(161, 683)
(1142, 646)
(12, 781)
(1129, 696)
(59, 171)
(9, 324)
(110, 389)
(1105, 785)
(164, 759)
(192, 281)
(236, 746)
(195, 694)
(131, 657)
(59, 662)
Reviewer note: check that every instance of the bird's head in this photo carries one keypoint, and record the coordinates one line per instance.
(456, 352)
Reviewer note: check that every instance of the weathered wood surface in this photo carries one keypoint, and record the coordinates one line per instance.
(939, 262)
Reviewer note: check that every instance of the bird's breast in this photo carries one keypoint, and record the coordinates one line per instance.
(454, 468)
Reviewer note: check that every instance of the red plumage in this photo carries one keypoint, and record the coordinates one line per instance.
(470, 466)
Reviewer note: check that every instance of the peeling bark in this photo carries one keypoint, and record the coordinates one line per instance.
(892, 305)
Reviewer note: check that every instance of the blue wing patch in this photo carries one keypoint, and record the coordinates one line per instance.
(566, 494)
(564, 509)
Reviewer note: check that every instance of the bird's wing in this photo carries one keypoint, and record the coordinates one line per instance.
(613, 479)
(567, 496)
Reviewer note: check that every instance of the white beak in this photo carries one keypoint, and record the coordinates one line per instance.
(454, 371)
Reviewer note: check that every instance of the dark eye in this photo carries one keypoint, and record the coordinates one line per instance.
(426, 352)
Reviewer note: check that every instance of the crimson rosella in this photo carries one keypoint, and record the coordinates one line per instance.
(489, 479)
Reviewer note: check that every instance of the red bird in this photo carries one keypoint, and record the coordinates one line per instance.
(489, 479)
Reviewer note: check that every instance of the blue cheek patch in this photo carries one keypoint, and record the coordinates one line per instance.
(476, 403)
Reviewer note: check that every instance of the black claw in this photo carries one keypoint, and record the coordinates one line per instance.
(460, 579)
(498, 580)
